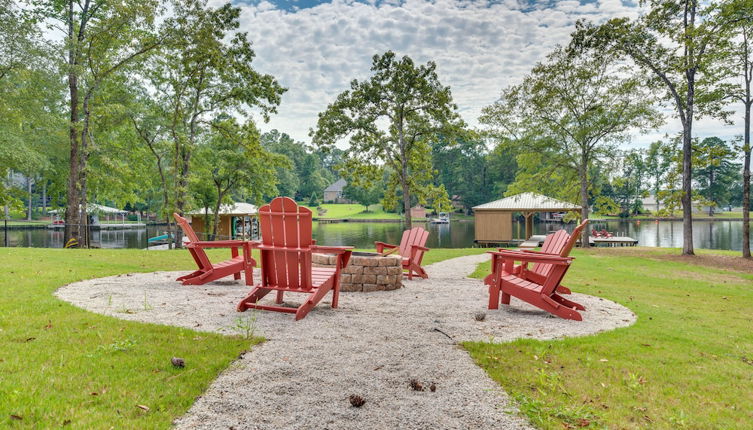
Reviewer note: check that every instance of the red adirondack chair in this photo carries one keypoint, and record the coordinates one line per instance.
(559, 243)
(541, 294)
(411, 249)
(286, 249)
(209, 272)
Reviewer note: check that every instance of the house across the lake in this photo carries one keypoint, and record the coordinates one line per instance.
(334, 193)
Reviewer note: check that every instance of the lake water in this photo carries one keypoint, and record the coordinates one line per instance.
(458, 234)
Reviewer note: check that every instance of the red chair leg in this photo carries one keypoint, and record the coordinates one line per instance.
(249, 275)
(505, 299)
(493, 297)
(278, 300)
(256, 294)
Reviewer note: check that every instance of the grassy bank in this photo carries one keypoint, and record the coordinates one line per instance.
(348, 211)
(24, 223)
(686, 363)
(60, 365)
(677, 216)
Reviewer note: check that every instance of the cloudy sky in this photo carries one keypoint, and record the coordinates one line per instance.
(315, 48)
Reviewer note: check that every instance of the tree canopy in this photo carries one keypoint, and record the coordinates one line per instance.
(390, 121)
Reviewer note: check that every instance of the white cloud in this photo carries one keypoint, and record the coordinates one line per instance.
(479, 48)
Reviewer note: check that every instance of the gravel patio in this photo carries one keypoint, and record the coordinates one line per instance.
(372, 346)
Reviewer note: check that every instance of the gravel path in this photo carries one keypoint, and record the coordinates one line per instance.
(373, 345)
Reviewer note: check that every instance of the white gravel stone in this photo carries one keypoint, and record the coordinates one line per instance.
(372, 346)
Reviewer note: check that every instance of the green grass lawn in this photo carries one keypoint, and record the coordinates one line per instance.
(24, 223)
(345, 211)
(686, 363)
(61, 365)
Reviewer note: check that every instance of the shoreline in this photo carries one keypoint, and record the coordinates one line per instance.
(666, 219)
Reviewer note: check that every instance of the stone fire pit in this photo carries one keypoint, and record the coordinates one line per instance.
(367, 271)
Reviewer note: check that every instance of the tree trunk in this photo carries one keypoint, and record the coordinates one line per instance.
(73, 203)
(583, 176)
(83, 160)
(72, 232)
(687, 196)
(182, 184)
(29, 199)
(216, 220)
(44, 197)
(168, 215)
(406, 203)
(746, 185)
(206, 223)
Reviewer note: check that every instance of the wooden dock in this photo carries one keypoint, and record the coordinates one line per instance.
(533, 242)
(612, 241)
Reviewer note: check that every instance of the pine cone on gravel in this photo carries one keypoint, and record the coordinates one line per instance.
(416, 385)
(356, 400)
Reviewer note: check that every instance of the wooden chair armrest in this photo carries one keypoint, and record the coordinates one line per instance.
(253, 244)
(532, 258)
(331, 249)
(216, 244)
(422, 248)
(247, 256)
(530, 251)
(381, 245)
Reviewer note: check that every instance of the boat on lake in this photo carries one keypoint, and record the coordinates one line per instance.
(443, 218)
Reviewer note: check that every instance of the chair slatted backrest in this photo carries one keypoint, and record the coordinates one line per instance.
(198, 254)
(287, 227)
(414, 236)
(554, 276)
(559, 243)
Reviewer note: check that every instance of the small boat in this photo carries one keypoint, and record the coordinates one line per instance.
(158, 238)
(444, 218)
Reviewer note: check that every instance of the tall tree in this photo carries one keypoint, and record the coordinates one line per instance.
(203, 71)
(152, 131)
(389, 120)
(675, 42)
(740, 68)
(573, 107)
(100, 38)
(30, 94)
(236, 162)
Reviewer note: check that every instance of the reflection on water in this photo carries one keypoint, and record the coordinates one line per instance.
(458, 234)
(53, 238)
(668, 234)
(363, 235)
